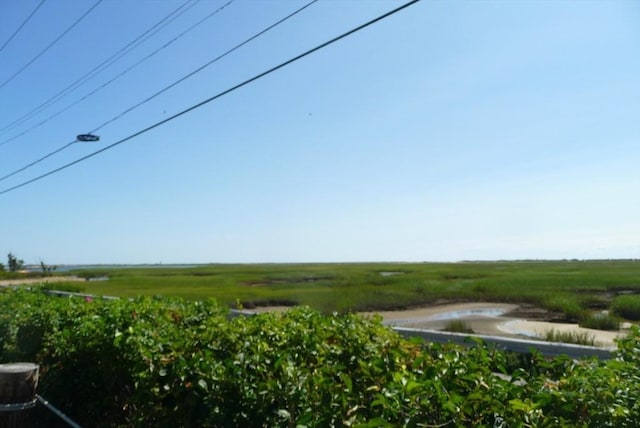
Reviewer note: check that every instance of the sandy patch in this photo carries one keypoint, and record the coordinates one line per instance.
(445, 312)
(45, 280)
(263, 309)
(488, 319)
(485, 318)
(539, 328)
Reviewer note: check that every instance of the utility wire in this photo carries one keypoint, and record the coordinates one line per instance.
(292, 14)
(215, 97)
(11, 174)
(216, 59)
(150, 32)
(126, 71)
(24, 67)
(22, 25)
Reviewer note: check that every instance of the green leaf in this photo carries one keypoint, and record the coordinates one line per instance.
(347, 381)
(284, 414)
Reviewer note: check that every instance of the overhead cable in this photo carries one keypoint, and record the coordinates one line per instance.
(21, 25)
(57, 39)
(292, 14)
(107, 83)
(214, 97)
(199, 69)
(48, 155)
(150, 32)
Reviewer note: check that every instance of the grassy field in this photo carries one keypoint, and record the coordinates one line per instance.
(572, 288)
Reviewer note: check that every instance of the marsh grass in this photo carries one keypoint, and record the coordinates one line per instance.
(561, 286)
(600, 321)
(458, 326)
(627, 306)
(575, 337)
(569, 305)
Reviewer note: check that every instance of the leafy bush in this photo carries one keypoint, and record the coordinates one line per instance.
(171, 363)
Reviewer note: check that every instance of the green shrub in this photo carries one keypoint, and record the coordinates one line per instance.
(171, 363)
(627, 306)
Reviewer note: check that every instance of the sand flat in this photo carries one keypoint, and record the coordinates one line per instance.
(43, 280)
(484, 318)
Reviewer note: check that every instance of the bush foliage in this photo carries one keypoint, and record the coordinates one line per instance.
(171, 363)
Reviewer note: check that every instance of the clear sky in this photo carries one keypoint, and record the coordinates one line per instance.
(453, 130)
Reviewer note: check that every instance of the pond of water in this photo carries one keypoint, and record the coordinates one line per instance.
(453, 315)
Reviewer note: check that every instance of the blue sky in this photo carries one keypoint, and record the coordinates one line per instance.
(458, 130)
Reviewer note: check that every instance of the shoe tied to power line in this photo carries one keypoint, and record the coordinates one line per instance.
(87, 137)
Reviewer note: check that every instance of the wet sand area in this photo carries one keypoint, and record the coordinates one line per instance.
(493, 319)
(484, 318)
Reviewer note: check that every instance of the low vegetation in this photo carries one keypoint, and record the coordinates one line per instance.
(173, 363)
(575, 337)
(601, 321)
(566, 304)
(63, 286)
(570, 290)
(627, 306)
(458, 326)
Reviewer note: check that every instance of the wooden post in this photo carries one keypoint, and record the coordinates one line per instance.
(18, 382)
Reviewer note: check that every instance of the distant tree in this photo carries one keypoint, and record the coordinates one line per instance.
(47, 268)
(14, 263)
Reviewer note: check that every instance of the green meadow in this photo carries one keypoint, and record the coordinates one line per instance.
(569, 288)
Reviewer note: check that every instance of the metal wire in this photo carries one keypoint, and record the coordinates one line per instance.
(24, 67)
(16, 407)
(57, 412)
(214, 97)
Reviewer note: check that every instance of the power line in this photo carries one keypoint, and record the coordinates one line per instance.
(150, 32)
(219, 57)
(107, 83)
(199, 69)
(22, 25)
(48, 155)
(215, 97)
(24, 67)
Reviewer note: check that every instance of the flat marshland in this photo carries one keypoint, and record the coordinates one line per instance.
(564, 290)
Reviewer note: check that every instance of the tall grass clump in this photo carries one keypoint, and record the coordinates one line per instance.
(600, 321)
(568, 305)
(575, 337)
(627, 306)
(458, 326)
